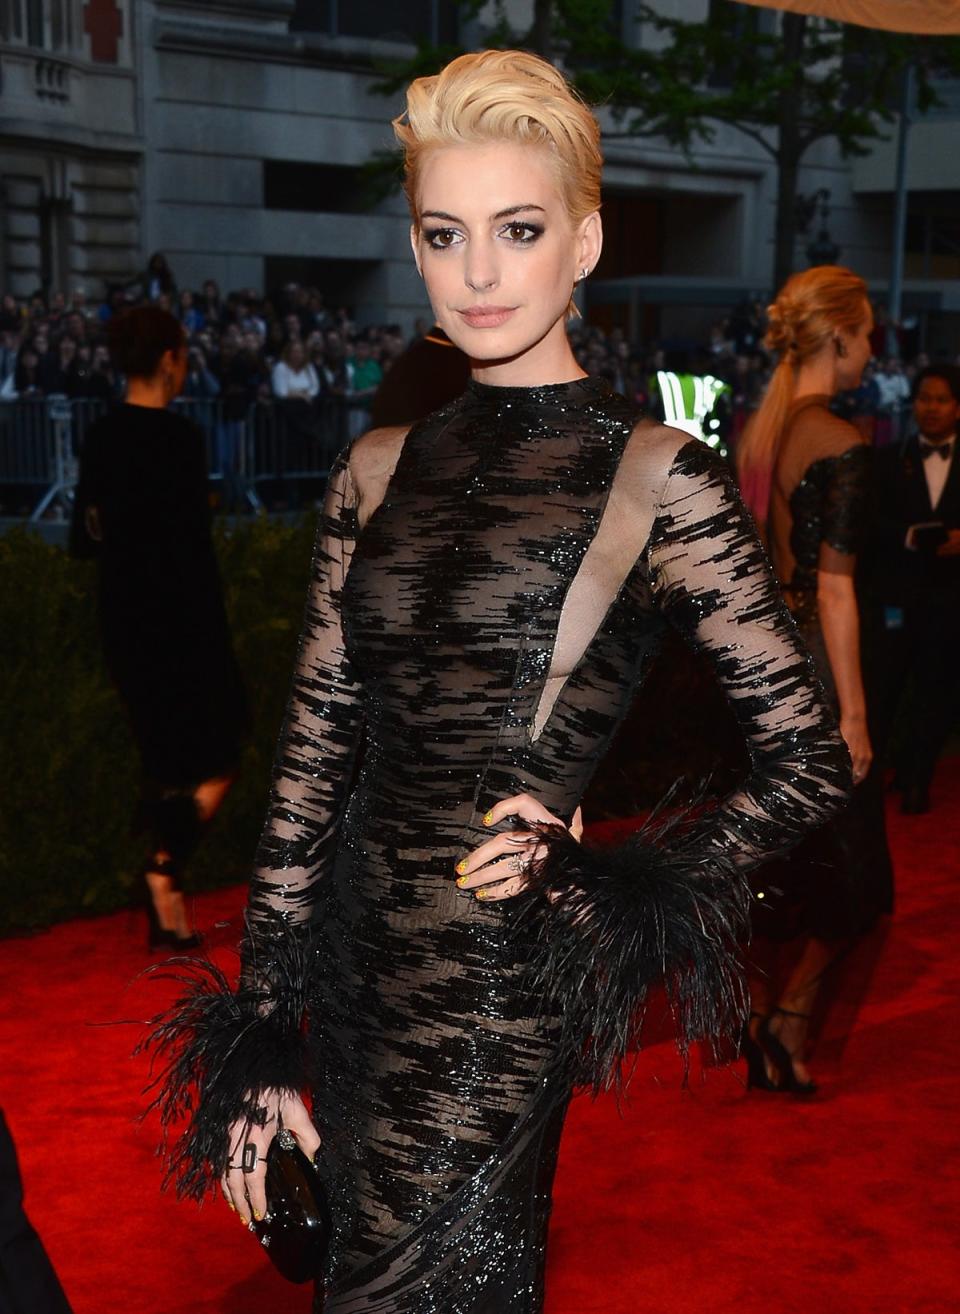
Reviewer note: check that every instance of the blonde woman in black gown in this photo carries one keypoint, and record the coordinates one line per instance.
(805, 475)
(490, 586)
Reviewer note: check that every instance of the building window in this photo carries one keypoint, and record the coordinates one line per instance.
(36, 29)
(315, 188)
(413, 21)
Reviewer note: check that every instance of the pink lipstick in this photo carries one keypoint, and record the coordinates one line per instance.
(486, 316)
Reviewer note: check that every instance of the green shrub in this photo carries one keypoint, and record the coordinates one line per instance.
(69, 773)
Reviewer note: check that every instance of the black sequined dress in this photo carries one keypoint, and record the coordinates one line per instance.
(483, 634)
(838, 881)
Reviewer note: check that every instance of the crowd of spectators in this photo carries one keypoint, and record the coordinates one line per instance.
(322, 370)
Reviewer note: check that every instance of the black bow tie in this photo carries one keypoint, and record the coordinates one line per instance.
(928, 449)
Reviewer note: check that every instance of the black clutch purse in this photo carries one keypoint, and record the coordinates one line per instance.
(295, 1232)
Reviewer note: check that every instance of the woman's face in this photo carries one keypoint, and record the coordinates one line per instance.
(498, 252)
(851, 366)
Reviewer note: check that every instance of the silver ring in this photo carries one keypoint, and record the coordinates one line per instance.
(248, 1163)
(518, 864)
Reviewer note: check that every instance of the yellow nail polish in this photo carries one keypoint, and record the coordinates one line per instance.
(488, 819)
(461, 881)
(481, 894)
(257, 1216)
(462, 866)
(231, 1206)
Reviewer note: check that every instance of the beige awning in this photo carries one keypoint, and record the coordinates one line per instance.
(919, 16)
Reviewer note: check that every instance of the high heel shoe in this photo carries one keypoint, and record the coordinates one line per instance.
(161, 937)
(779, 1055)
(757, 1076)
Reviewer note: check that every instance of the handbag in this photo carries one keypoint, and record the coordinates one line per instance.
(295, 1231)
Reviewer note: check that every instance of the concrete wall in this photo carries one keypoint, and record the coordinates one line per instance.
(70, 151)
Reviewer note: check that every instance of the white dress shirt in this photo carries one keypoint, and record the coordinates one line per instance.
(936, 468)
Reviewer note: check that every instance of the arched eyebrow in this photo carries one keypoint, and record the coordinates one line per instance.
(501, 214)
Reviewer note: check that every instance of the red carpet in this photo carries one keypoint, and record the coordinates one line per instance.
(694, 1201)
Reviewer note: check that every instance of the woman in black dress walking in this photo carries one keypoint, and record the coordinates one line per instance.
(805, 475)
(142, 510)
(490, 586)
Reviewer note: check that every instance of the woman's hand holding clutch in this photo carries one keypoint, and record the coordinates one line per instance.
(243, 1182)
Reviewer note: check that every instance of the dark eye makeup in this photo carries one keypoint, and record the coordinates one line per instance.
(518, 232)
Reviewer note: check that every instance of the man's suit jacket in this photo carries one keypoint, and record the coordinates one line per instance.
(890, 573)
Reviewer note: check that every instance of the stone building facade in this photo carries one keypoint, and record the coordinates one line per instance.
(231, 135)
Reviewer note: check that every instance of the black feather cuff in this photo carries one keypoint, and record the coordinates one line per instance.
(219, 1048)
(611, 923)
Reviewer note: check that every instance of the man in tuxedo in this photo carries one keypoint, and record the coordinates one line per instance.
(911, 586)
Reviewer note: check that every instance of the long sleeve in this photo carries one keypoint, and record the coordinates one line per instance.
(671, 904)
(712, 582)
(221, 1047)
(320, 733)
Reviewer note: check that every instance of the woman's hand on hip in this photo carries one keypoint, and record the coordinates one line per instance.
(498, 869)
(243, 1184)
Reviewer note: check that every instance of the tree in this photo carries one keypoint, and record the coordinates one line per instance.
(808, 81)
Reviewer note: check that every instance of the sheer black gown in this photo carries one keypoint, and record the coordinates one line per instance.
(521, 553)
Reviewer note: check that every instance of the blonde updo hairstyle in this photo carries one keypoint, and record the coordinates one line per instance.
(810, 310)
(504, 96)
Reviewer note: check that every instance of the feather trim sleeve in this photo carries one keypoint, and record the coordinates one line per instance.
(672, 903)
(657, 909)
(217, 1048)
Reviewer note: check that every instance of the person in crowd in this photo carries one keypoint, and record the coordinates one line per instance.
(488, 587)
(9, 349)
(211, 302)
(11, 315)
(141, 509)
(25, 382)
(114, 303)
(364, 376)
(860, 405)
(59, 368)
(805, 473)
(201, 383)
(293, 377)
(158, 281)
(894, 389)
(296, 388)
(80, 305)
(244, 380)
(911, 581)
(95, 377)
(191, 316)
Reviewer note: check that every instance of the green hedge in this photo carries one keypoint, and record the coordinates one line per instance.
(68, 768)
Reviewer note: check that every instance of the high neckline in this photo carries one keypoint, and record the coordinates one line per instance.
(576, 392)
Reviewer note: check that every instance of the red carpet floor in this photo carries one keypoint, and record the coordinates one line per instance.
(692, 1201)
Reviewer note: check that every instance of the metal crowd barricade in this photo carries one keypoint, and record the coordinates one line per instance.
(265, 453)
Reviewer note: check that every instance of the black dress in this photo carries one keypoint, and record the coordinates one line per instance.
(483, 635)
(837, 882)
(141, 508)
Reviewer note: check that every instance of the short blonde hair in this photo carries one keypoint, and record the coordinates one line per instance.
(504, 95)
